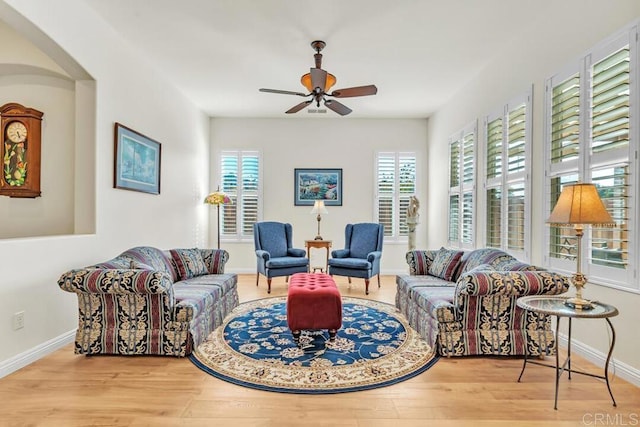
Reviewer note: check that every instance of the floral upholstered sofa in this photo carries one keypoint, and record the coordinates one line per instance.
(150, 301)
(464, 303)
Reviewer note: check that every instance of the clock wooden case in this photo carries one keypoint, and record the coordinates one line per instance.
(20, 150)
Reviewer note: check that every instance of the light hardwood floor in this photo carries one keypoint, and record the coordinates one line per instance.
(68, 390)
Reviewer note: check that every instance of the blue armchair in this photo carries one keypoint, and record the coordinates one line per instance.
(361, 255)
(276, 256)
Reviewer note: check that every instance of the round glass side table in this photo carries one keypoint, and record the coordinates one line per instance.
(555, 306)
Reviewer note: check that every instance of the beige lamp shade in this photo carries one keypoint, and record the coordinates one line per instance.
(580, 204)
(318, 208)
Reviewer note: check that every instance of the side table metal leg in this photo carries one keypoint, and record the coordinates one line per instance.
(526, 349)
(555, 403)
(606, 365)
(569, 349)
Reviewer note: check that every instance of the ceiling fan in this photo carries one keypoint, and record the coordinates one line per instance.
(318, 82)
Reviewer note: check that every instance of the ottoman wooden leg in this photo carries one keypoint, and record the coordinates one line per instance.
(332, 334)
(296, 336)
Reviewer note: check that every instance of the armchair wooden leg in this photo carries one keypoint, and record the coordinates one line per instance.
(257, 278)
(349, 280)
(366, 286)
(269, 285)
(378, 281)
(286, 279)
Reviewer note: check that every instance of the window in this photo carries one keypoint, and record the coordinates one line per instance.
(240, 176)
(462, 180)
(589, 140)
(507, 177)
(396, 177)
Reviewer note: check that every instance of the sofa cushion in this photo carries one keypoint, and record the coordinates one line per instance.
(437, 301)
(188, 263)
(199, 294)
(152, 257)
(407, 282)
(353, 263)
(284, 262)
(445, 263)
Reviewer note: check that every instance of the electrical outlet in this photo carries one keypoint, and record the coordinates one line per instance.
(18, 320)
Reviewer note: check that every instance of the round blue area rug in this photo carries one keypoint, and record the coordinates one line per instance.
(255, 348)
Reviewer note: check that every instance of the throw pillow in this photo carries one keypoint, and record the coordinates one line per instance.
(188, 263)
(445, 263)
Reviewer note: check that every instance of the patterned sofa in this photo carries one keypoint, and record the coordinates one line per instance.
(150, 301)
(464, 303)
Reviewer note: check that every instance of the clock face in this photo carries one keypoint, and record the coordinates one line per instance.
(16, 132)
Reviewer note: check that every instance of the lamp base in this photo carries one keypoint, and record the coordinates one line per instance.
(579, 304)
(318, 237)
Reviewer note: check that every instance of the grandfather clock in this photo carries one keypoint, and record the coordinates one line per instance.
(20, 151)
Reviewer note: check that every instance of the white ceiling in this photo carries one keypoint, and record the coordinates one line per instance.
(417, 52)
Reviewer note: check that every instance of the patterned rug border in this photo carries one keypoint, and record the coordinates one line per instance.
(346, 299)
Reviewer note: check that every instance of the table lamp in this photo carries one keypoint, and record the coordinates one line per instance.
(318, 208)
(218, 198)
(578, 205)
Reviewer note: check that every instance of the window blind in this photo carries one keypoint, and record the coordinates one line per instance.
(516, 140)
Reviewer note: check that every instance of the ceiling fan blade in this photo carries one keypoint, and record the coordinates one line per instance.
(355, 91)
(298, 107)
(339, 108)
(283, 92)
(318, 78)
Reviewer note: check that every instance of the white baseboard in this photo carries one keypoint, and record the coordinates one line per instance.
(616, 368)
(21, 360)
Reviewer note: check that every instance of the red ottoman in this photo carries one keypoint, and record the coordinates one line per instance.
(313, 302)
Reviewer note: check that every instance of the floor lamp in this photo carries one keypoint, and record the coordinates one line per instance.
(579, 205)
(218, 198)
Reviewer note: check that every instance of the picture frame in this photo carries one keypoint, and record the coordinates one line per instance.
(317, 184)
(136, 161)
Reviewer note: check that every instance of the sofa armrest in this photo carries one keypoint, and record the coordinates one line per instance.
(419, 261)
(263, 254)
(215, 260)
(512, 283)
(373, 256)
(295, 252)
(340, 253)
(116, 281)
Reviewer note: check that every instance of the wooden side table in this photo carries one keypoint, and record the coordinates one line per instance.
(326, 244)
(554, 306)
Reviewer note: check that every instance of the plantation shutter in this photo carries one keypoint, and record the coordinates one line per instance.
(516, 217)
(468, 154)
(562, 243)
(467, 217)
(494, 218)
(407, 188)
(565, 120)
(610, 102)
(454, 164)
(516, 154)
(386, 189)
(494, 149)
(454, 218)
(610, 140)
(250, 187)
(229, 179)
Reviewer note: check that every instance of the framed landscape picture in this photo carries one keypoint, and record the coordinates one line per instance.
(318, 184)
(137, 161)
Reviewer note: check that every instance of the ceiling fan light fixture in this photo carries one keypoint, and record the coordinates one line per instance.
(306, 82)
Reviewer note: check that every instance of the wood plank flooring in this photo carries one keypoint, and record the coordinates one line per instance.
(68, 390)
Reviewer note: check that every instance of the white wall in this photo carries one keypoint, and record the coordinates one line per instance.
(30, 78)
(530, 60)
(289, 143)
(128, 91)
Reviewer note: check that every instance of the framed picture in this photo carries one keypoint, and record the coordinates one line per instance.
(318, 184)
(137, 161)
